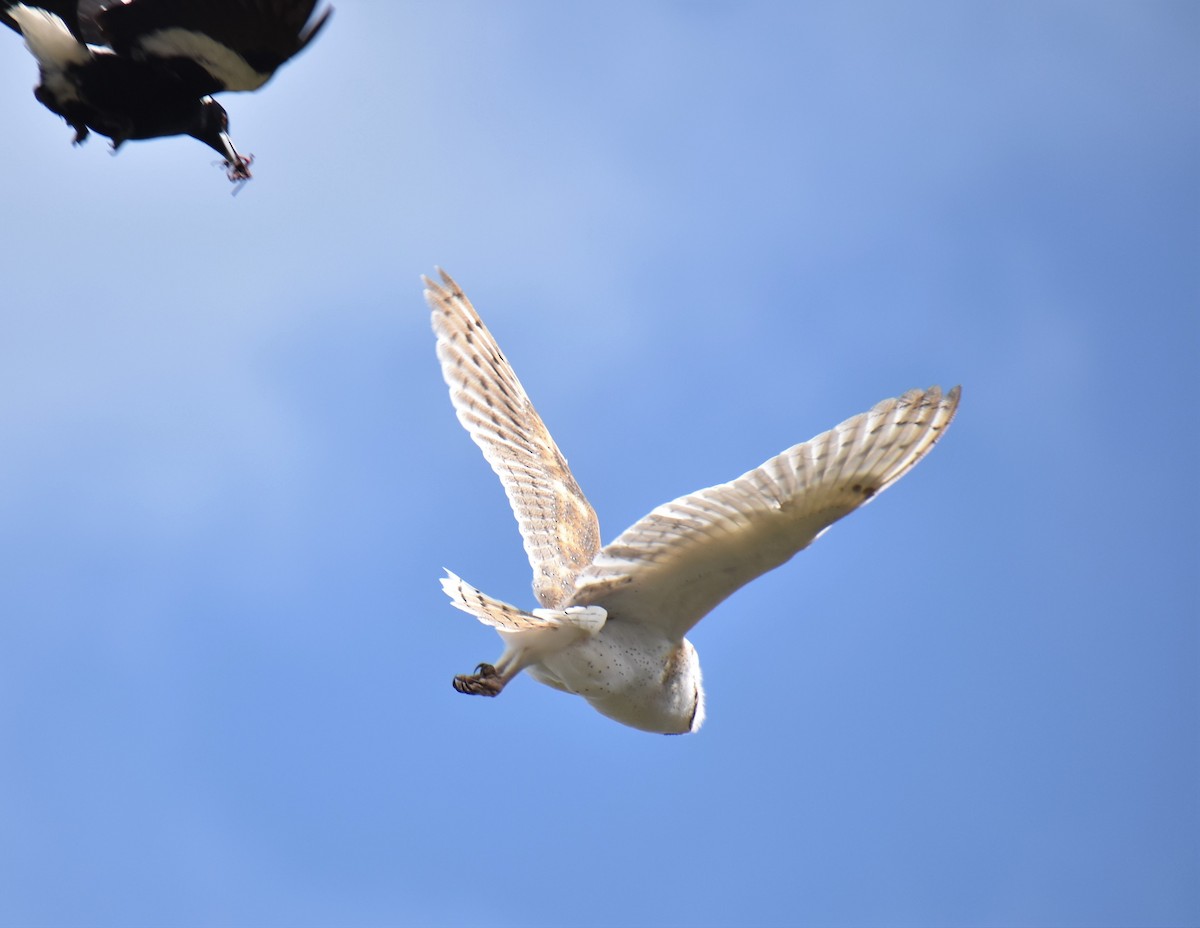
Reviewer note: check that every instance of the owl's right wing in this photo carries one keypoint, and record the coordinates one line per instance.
(675, 565)
(558, 525)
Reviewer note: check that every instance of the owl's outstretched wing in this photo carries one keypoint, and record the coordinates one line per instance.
(557, 523)
(673, 566)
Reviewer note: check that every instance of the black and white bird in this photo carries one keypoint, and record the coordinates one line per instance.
(141, 69)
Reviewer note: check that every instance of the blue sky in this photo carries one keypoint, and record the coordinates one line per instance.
(702, 232)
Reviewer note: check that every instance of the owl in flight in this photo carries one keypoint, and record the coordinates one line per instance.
(612, 619)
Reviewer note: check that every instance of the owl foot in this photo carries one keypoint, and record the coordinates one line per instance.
(484, 682)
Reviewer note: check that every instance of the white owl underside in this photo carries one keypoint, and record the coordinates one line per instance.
(612, 620)
(629, 671)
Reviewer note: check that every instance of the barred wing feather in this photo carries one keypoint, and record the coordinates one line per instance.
(675, 565)
(557, 524)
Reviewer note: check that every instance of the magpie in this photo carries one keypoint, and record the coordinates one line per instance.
(141, 69)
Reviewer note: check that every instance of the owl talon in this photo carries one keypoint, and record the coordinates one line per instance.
(484, 682)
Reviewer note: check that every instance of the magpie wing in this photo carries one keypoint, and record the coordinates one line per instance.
(78, 15)
(213, 45)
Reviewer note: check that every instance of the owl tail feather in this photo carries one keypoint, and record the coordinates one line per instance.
(508, 618)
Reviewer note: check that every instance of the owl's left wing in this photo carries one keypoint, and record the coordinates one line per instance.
(675, 565)
(557, 523)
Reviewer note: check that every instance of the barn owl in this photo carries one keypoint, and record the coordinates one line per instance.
(611, 622)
